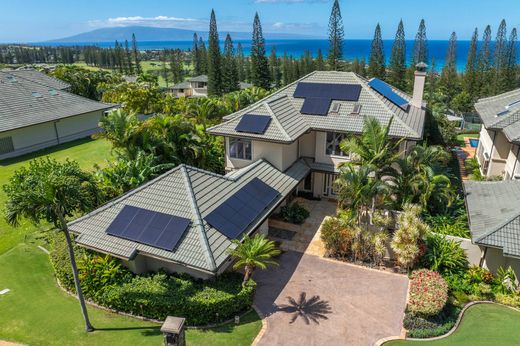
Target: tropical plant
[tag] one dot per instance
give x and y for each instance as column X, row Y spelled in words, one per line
column 428, row 293
column 253, row 252
column 444, row 255
column 120, row 128
column 410, row 231
column 294, row 213
column 337, row 235
column 505, row 280
column 100, row 273
column 52, row 191
column 379, row 242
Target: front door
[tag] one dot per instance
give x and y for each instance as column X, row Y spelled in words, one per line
column 328, row 185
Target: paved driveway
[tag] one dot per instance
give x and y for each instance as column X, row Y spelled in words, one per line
column 309, row 300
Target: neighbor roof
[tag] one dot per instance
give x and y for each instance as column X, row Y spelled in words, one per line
column 502, row 112
column 201, row 78
column 289, row 123
column 38, row 77
column 182, row 85
column 190, row 193
column 494, row 214
column 24, row 102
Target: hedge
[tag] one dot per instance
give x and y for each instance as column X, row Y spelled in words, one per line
column 160, row 294
column 428, row 292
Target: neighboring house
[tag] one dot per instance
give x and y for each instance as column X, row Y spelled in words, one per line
column 197, row 87
column 184, row 220
column 494, row 221
column 498, row 151
column 37, row 112
column 310, row 117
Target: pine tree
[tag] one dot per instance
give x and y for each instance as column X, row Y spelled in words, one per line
column 449, row 72
column 484, row 71
column 177, row 65
column 286, row 69
column 240, row 63
column 511, row 68
column 336, row 37
column 420, row 47
column 137, row 58
column 195, row 55
column 203, row 56
column 376, row 62
column 214, row 59
column 274, row 68
column 397, row 73
column 164, row 69
column 259, row 64
column 470, row 75
column 128, row 58
column 500, row 58
column 432, row 80
column 230, row 80
column 320, row 64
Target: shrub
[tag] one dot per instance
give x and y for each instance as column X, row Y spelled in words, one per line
column 444, row 255
column 505, row 280
column 336, row 236
column 508, row 299
column 159, row 295
column 294, row 213
column 60, row 259
column 411, row 230
column 431, row 326
column 428, row 293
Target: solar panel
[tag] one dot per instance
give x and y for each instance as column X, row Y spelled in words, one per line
column 341, row 92
column 148, row 227
column 385, row 90
column 315, row 106
column 253, row 123
column 238, row 212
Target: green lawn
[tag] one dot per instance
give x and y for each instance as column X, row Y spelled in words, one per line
column 36, row 312
column 482, row 325
column 86, row 151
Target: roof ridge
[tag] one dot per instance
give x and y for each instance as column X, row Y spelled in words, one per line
column 499, row 96
column 199, row 222
column 275, row 118
column 32, row 80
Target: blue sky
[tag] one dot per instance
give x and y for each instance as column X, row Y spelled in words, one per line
column 36, row 20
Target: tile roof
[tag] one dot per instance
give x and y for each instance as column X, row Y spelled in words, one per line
column 494, row 214
column 190, row 193
column 182, row 85
column 495, row 115
column 201, row 78
column 24, row 102
column 38, row 77
column 289, row 123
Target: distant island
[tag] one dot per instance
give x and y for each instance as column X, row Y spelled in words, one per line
column 144, row 33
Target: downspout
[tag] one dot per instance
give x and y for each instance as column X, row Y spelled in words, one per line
column 491, row 151
column 56, row 132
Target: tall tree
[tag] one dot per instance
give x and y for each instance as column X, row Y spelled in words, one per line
column 511, row 69
column 397, row 73
column 164, row 69
column 214, row 59
column 420, row 47
column 177, row 65
column 449, row 72
column 128, row 58
column 320, row 63
column 500, row 58
column 240, row 63
column 484, row 64
column 230, row 81
column 376, row 62
column 259, row 63
column 336, row 37
column 137, row 57
column 203, row 56
column 51, row 191
column 195, row 55
column 274, row 68
column 470, row 75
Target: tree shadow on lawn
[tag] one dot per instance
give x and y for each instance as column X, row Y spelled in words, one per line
column 313, row 309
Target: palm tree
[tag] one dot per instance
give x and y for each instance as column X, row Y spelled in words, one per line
column 120, row 127
column 374, row 147
column 51, row 191
column 252, row 253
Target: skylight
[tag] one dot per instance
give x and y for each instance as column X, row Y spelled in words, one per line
column 36, row 94
column 11, row 79
column 53, row 92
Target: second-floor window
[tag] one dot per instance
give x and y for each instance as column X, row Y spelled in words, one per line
column 332, row 146
column 240, row 148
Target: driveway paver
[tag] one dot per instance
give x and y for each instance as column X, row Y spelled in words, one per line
column 309, row 300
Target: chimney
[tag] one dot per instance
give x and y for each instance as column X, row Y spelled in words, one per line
column 418, row 85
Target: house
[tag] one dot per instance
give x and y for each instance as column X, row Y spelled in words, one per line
column 37, row 112
column 494, row 220
column 197, row 87
column 310, row 117
column 185, row 220
column 498, row 152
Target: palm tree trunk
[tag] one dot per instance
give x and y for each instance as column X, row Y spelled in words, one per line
column 247, row 274
column 64, row 228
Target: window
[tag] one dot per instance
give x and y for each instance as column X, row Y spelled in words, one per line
column 332, row 146
column 307, row 184
column 6, row 145
column 240, row 148
column 357, row 108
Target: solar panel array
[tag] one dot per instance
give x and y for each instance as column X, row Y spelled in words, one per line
column 148, row 227
column 385, row 90
column 318, row 96
column 238, row 212
column 253, row 123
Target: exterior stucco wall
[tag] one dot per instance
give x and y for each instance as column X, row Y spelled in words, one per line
column 143, row 264
column 512, row 167
column 499, row 155
column 308, row 144
column 279, row 155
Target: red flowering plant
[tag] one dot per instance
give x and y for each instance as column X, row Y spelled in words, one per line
column 428, row 293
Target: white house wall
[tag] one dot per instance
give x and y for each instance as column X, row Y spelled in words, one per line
column 308, row 144
column 512, row 167
column 279, row 155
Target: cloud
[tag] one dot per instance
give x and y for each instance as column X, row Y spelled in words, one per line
column 157, row 21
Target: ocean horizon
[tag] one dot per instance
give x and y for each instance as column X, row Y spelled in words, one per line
column 353, row 48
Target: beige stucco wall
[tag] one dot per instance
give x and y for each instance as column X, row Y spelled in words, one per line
column 499, row 155
column 143, row 264
column 308, row 144
column 512, row 167
column 39, row 136
column 320, row 153
column 282, row 156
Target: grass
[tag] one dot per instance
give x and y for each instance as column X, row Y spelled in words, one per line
column 37, row 312
column 460, row 138
column 482, row 325
column 86, row 152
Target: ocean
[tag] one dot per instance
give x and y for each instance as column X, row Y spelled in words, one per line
column 352, row 48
